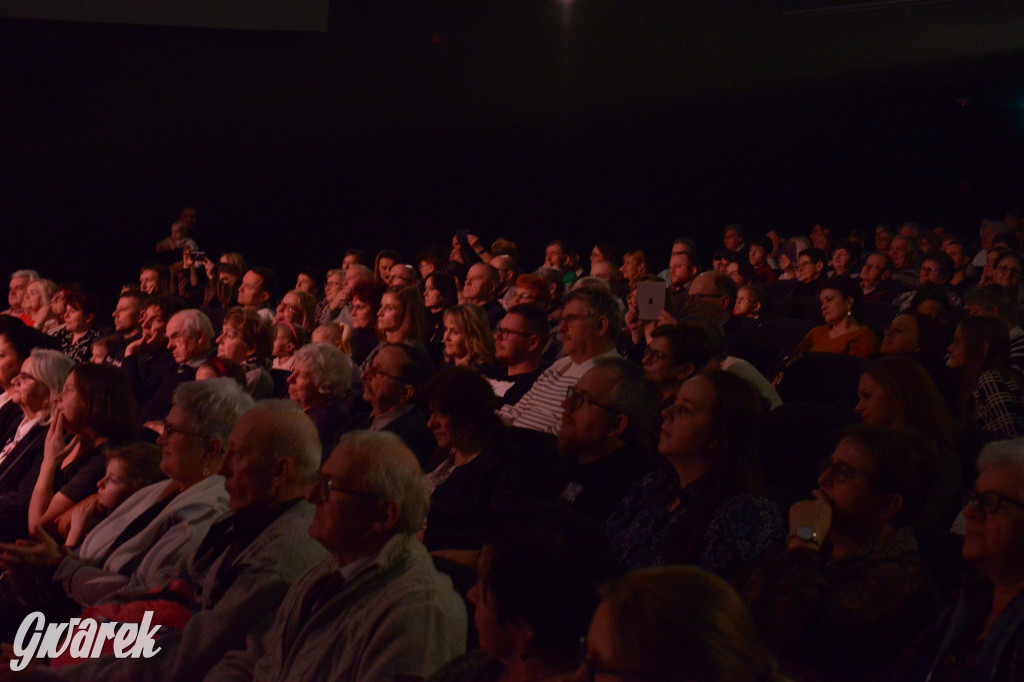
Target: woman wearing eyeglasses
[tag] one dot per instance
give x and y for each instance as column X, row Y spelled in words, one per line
column 704, row 509
column 33, row 390
column 850, row 590
column 981, row 637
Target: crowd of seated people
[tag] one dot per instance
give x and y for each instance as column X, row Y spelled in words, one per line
column 451, row 466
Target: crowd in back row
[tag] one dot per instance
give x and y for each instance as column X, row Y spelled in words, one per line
column 672, row 418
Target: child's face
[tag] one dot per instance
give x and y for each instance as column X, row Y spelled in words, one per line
column 283, row 344
column 99, row 353
column 114, row 488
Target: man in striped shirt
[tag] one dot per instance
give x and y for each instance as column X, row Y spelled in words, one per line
column 590, row 326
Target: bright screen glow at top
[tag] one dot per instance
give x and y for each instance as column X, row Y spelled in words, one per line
column 268, row 15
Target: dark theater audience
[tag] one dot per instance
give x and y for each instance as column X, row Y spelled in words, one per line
column 482, row 382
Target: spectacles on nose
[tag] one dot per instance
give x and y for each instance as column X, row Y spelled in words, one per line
column 372, row 371
column 502, row 332
column 324, row 486
column 654, row 356
column 989, row 501
column 841, row 472
column 575, row 400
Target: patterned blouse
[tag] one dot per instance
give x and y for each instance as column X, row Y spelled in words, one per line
column 80, row 351
column 644, row 529
column 997, row 405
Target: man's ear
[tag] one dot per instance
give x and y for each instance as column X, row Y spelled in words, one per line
column 685, row 371
column 388, row 515
column 618, row 426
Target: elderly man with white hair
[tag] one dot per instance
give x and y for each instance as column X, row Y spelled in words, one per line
column 190, row 340
column 320, row 381
column 376, row 609
column 20, row 279
column 248, row 560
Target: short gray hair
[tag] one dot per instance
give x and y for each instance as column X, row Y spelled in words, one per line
column 635, row 396
column 603, row 304
column 52, row 368
column 392, row 472
column 364, row 271
column 1008, row 452
column 331, row 369
column 592, row 283
column 195, row 322
column 294, row 436
column 31, row 274
column 213, row 405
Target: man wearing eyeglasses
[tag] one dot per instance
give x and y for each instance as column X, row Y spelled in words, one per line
column 375, row 609
column 245, row 564
column 390, row 385
column 606, row 433
column 519, row 341
column 590, row 327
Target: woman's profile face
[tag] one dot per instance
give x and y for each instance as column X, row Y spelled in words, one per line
column 432, row 295
column 389, row 317
column 71, row 405
column 290, row 310
column 76, row 320
column 875, row 405
column 10, row 362
column 33, row 299
column 902, row 337
column 834, row 306
column 440, row 424
column 604, row 659
column 454, row 339
column 957, row 350
column 687, row 426
column 27, row 390
column 231, row 345
column 362, row 314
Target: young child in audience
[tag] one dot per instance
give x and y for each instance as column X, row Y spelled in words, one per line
column 101, row 348
column 287, row 339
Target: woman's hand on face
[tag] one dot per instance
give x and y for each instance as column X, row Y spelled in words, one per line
column 56, row 447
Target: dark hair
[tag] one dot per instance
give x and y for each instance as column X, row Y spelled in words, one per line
column 979, row 332
column 682, row 623
column 904, row 464
column 227, row 368
column 944, row 263
column 360, row 255
column 413, row 313
column 24, row 338
column 849, row 289
column 535, row 320
column 141, row 462
column 815, row 254
column 913, row 389
column 445, row 284
column 370, row 292
column 547, row 562
column 255, row 332
column 108, row 397
column 316, row 274
column 689, row 341
column 269, row 278
column 855, row 249
column 386, row 253
column 86, row 301
column 607, row 251
column 168, row 304
column 466, row 397
column 994, row 296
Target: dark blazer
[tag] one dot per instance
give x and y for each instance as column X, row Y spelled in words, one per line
column 18, row 474
column 411, row 427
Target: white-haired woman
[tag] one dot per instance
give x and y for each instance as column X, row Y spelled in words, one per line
column 320, row 381
column 981, row 637
column 33, row 389
column 36, row 305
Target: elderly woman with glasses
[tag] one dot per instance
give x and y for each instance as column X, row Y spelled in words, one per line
column 981, row 637
column 33, row 390
column 703, row 509
column 153, row 533
column 850, row 591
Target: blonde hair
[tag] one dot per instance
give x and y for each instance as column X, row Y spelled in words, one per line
column 472, row 321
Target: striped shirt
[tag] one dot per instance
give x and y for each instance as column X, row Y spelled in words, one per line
column 541, row 408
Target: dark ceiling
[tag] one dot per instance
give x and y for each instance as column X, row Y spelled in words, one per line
column 629, row 121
